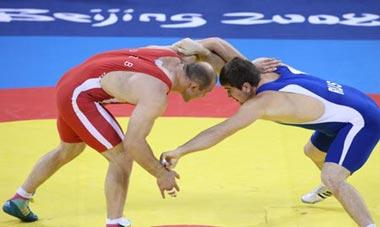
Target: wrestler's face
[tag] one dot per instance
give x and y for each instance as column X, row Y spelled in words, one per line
column 240, row 95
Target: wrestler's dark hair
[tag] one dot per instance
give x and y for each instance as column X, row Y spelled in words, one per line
column 239, row 71
column 198, row 73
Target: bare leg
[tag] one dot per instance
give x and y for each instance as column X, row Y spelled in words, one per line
column 334, row 177
column 18, row 206
column 317, row 156
column 50, row 163
column 321, row 192
column 117, row 180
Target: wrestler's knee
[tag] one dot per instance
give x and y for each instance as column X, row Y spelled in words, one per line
column 310, row 151
column 334, row 177
column 119, row 159
column 314, row 153
column 68, row 151
column 307, row 149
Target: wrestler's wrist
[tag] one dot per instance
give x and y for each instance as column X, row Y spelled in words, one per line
column 179, row 152
column 160, row 172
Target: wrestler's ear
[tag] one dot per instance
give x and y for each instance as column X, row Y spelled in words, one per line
column 246, row 87
column 194, row 85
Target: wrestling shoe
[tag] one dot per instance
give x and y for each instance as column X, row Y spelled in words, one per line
column 117, row 225
column 121, row 223
column 317, row 195
column 19, row 208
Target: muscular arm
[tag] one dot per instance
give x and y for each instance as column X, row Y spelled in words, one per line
column 247, row 114
column 221, row 48
column 222, row 51
column 189, row 47
column 139, row 126
column 215, row 51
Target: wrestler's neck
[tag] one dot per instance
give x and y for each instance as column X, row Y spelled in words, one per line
column 267, row 78
column 181, row 82
column 174, row 69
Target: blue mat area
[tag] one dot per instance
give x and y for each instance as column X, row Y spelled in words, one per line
column 338, row 40
column 39, row 61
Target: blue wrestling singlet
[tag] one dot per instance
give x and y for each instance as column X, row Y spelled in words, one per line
column 349, row 128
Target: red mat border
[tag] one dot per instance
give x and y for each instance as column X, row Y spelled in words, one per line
column 39, row 103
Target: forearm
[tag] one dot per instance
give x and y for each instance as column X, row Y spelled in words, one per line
column 221, row 48
column 231, row 52
column 210, row 137
column 204, row 140
column 143, row 155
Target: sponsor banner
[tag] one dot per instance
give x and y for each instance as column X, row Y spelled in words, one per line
column 287, row 19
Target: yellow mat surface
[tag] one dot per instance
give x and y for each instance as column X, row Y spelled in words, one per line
column 254, row 178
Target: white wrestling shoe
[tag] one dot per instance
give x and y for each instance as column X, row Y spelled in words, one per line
column 120, row 222
column 317, row 195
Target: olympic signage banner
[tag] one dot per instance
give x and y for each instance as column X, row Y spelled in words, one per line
column 287, row 19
